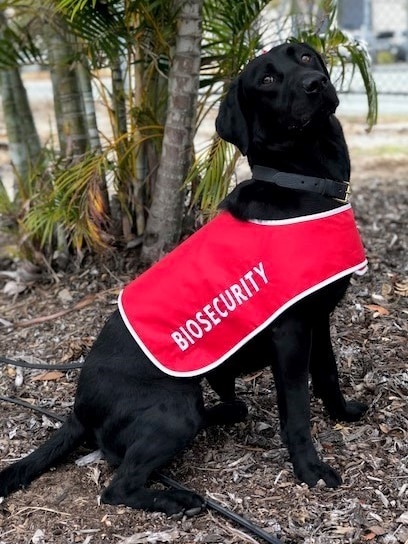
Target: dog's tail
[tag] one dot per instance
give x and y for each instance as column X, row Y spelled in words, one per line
column 55, row 449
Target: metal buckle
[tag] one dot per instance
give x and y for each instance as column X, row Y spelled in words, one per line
column 347, row 195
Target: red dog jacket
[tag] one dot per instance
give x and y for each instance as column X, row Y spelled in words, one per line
column 229, row 280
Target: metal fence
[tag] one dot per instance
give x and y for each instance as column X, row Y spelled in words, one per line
column 383, row 26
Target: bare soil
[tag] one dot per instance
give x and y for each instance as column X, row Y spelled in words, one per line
column 245, row 467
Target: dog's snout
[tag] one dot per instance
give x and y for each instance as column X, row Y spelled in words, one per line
column 314, row 83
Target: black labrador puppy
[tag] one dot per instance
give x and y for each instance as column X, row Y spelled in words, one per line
column 280, row 113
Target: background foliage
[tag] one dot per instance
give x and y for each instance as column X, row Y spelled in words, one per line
column 93, row 191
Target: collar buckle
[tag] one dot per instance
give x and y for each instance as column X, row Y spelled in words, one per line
column 347, row 193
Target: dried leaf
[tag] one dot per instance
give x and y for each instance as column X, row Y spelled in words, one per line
column 403, row 518
column 386, row 290
column 5, row 322
column 19, row 378
column 13, row 288
column 401, row 288
column 38, row 537
column 48, row 376
column 382, row 498
column 152, row 538
column 379, row 310
column 89, row 458
column 65, row 296
column 384, row 428
column 95, row 474
column 344, row 530
column 11, row 371
column 377, row 530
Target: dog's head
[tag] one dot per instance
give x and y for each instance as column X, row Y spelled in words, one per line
column 276, row 97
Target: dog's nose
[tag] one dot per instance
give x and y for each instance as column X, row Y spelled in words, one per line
column 314, row 83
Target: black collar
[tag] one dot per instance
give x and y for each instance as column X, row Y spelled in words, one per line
column 339, row 190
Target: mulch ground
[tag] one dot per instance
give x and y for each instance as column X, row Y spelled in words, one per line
column 244, row 467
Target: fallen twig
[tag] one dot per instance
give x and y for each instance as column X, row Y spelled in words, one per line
column 86, row 301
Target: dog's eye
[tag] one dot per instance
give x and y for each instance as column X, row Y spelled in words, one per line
column 306, row 58
column 267, row 80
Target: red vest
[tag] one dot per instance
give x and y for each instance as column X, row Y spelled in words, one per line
column 229, row 280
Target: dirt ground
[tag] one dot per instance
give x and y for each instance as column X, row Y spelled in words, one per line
column 244, row 467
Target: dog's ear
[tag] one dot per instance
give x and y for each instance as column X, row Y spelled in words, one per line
column 231, row 124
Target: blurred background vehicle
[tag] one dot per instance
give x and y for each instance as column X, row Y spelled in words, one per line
column 389, row 46
column 381, row 25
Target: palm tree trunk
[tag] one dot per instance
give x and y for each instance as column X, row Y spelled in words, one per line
column 85, row 86
column 163, row 226
column 23, row 139
column 141, row 158
column 120, row 128
column 71, row 124
column 24, row 142
column 68, row 104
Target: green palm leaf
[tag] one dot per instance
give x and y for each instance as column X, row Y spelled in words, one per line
column 74, row 203
column 231, row 37
column 6, row 204
column 214, row 168
column 17, row 47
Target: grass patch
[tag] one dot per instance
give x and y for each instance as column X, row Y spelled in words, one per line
column 391, row 150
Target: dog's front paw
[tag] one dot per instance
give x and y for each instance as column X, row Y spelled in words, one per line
column 177, row 504
column 311, row 472
column 353, row 410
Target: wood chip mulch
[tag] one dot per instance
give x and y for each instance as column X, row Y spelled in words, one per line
column 245, row 467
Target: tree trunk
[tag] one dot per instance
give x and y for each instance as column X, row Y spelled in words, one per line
column 141, row 159
column 163, row 226
column 24, row 142
column 23, row 139
column 71, row 123
column 85, row 85
column 120, row 128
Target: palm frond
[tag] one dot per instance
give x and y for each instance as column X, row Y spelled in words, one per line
column 75, row 5
column 6, row 204
column 18, row 47
column 74, row 202
column 108, row 29
column 214, row 169
column 100, row 26
column 232, row 35
column 359, row 57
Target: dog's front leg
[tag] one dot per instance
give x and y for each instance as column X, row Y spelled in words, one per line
column 291, row 337
column 325, row 379
column 230, row 410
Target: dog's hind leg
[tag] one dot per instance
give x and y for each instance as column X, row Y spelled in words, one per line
column 325, row 379
column 128, row 485
column 153, row 440
column 54, row 450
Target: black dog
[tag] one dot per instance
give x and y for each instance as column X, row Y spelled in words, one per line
column 278, row 112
